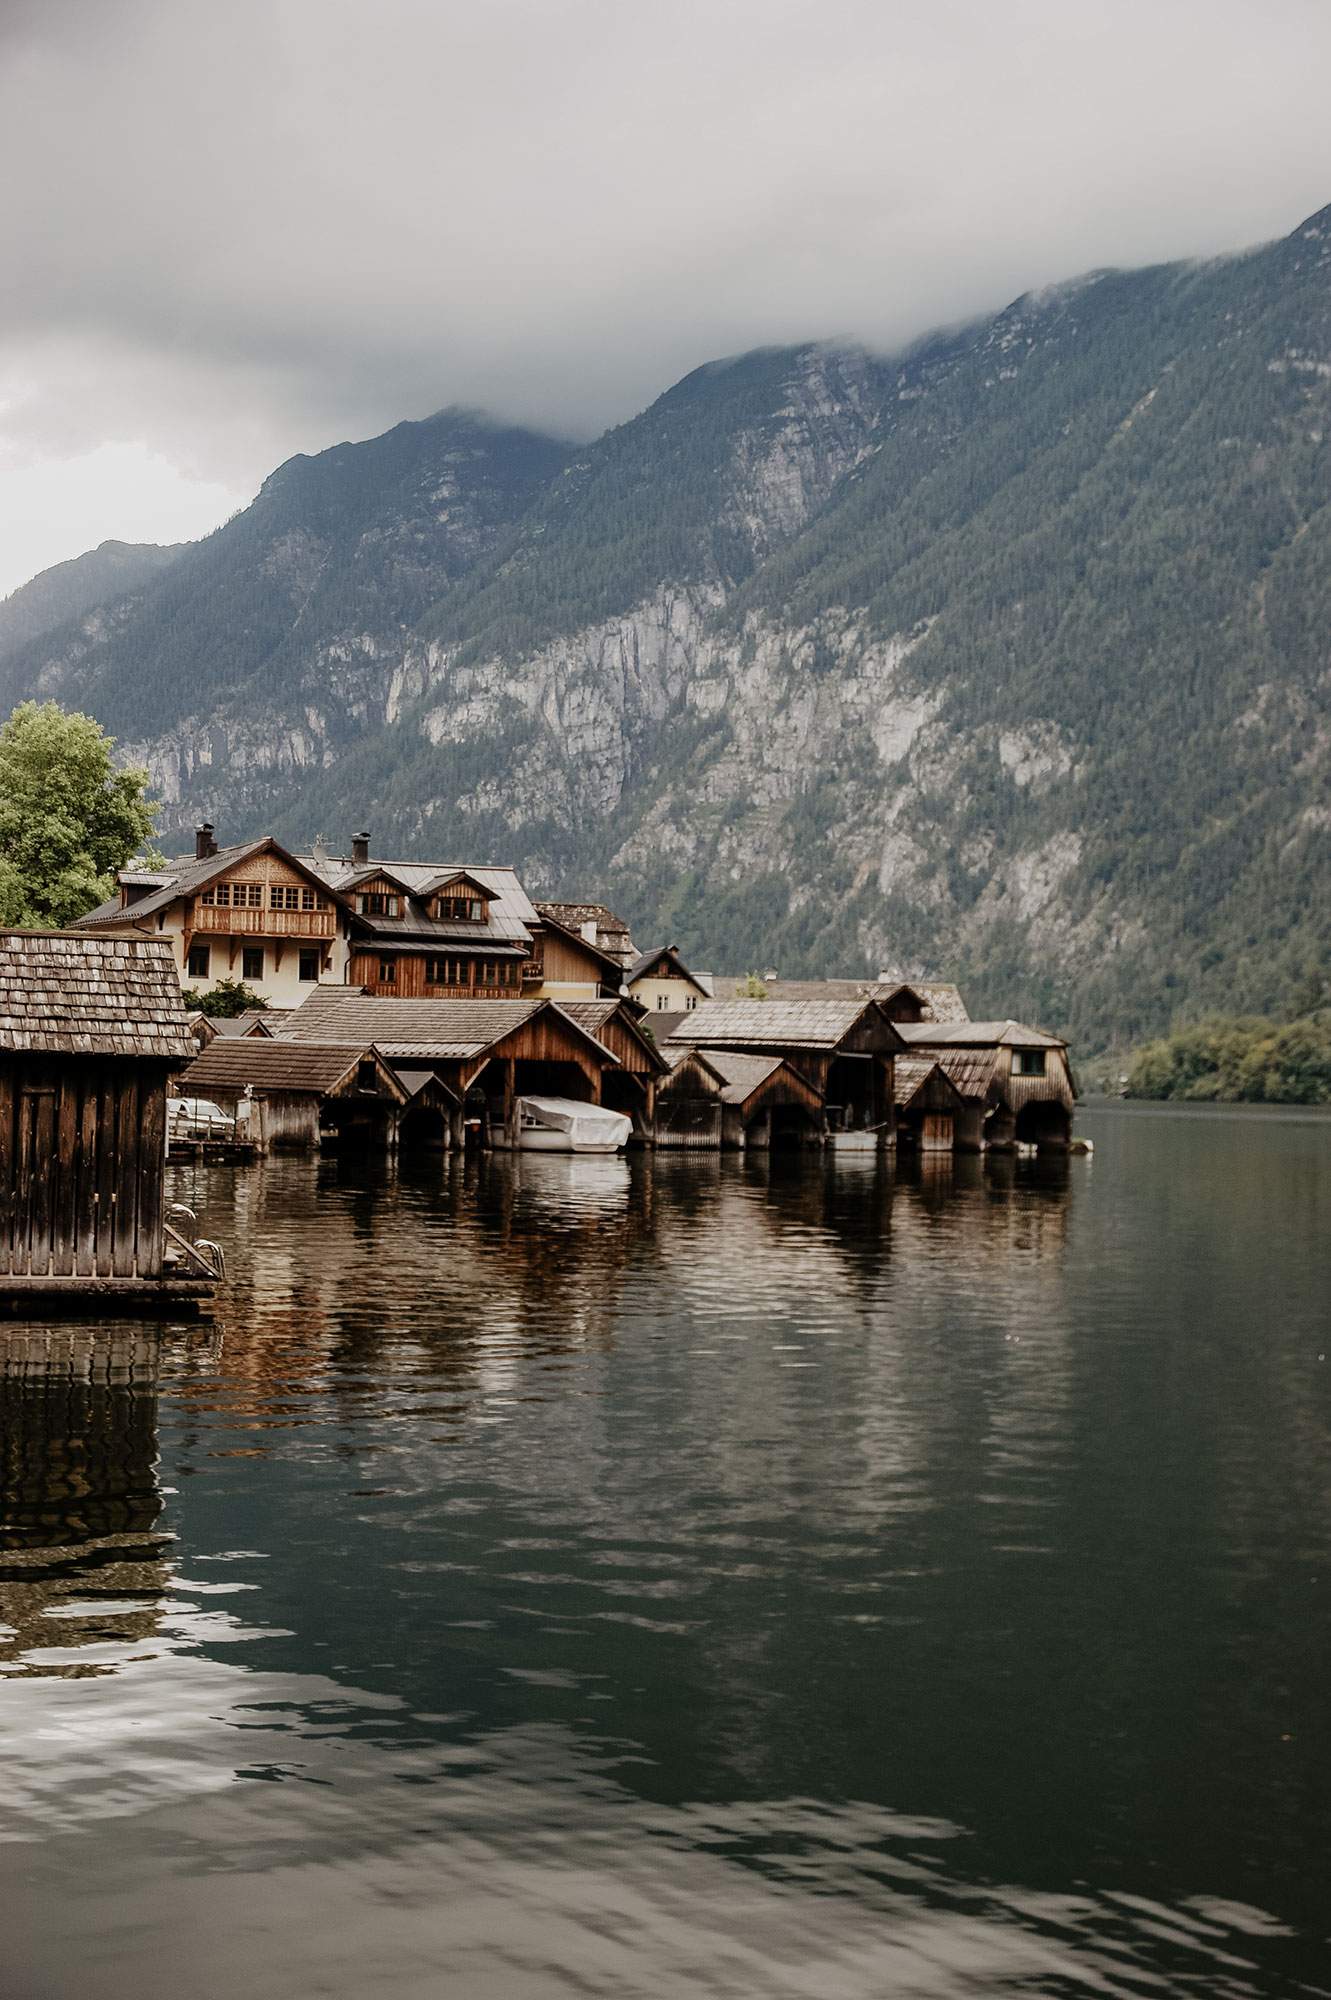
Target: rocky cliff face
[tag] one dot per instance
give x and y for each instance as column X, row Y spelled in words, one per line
column 1005, row 659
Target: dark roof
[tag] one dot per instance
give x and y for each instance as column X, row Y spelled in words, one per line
column 184, row 878
column 263, row 1019
column 572, row 915
column 971, row 1071
column 66, row 994
column 228, row 1065
column 776, row 1024
column 593, row 1015
column 740, row 1074
column 911, row 1073
column 941, row 1001
column 511, row 912
column 646, row 960
column 977, row 1035
column 427, row 1030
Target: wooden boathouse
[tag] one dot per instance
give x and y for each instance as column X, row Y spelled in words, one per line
column 725, row 1098
column 1020, row 1078
column 488, row 1053
column 844, row 1049
column 90, row 1030
column 300, row 1096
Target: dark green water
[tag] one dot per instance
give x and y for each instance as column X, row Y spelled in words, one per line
column 680, row 1578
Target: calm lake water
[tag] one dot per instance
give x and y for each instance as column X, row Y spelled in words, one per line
column 683, row 1577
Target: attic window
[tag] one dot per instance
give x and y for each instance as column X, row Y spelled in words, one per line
column 377, row 903
column 1028, row 1062
column 367, row 1075
column 460, row 910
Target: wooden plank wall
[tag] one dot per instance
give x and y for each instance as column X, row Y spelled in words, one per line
column 82, row 1165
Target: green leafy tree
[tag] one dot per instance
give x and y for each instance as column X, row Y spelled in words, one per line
column 751, row 987
column 68, row 818
column 1248, row 1060
column 224, row 1001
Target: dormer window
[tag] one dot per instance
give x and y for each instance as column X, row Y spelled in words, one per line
column 377, row 903
column 459, row 909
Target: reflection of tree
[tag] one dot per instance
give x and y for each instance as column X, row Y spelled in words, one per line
column 79, row 1497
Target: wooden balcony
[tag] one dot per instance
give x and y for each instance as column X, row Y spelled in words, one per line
column 230, row 922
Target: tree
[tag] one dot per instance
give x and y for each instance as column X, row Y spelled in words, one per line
column 68, row 818
column 224, row 1001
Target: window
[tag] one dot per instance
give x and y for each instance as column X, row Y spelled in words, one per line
column 487, row 972
column 309, row 964
column 283, row 897
column 1028, row 1062
column 388, row 972
column 460, row 909
column 377, row 903
column 690, row 1003
column 367, row 1075
column 662, row 1002
column 310, row 899
column 251, row 962
column 198, row 961
column 505, row 972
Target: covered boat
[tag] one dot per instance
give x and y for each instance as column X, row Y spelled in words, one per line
column 562, row 1125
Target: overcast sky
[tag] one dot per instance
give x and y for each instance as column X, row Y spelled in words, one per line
column 235, row 229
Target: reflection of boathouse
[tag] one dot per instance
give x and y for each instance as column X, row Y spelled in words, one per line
column 79, row 1499
column 90, row 1028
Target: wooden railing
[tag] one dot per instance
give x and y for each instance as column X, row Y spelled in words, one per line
column 265, row 923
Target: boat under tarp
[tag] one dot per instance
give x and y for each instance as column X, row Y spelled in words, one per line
column 563, row 1125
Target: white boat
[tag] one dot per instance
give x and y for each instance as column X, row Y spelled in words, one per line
column 562, row 1125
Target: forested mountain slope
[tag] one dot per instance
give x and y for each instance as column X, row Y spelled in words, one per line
column 1009, row 659
column 68, row 589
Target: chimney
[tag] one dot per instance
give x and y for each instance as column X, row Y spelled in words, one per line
column 204, row 844
column 360, row 849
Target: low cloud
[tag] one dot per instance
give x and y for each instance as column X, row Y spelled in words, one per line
column 258, row 228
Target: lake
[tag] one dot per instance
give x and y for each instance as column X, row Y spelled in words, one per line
column 681, row 1576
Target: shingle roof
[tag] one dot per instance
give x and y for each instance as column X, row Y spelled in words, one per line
column 421, row 1030
column 593, row 1015
column 977, row 1034
column 227, row 1066
column 790, row 1024
column 67, row 994
column 911, row 1073
column 943, row 1001
column 970, row 1070
column 740, row 1074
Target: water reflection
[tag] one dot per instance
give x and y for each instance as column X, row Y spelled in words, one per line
column 690, row 1575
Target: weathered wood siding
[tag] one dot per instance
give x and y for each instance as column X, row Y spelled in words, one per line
column 82, row 1158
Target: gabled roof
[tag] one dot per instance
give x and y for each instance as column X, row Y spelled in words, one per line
column 309, row 1067
column 683, row 1052
column 912, row 1073
column 426, row 1030
column 63, row 994
column 775, row 1024
column 608, row 958
column 449, row 877
column 977, row 1034
column 941, row 1000
column 256, row 1021
column 593, row 1015
column 741, row 1075
column 511, row 912
column 185, row 878
column 647, row 962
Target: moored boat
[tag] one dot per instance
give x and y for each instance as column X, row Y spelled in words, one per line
column 562, row 1125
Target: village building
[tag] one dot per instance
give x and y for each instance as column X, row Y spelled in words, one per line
column 423, row 930
column 301, row 1095
column 931, row 1111
column 659, row 981
column 90, row 1030
column 632, row 1087
column 844, row 1049
column 596, row 925
column 252, row 913
column 1021, row 1077
column 487, row 1052
column 917, row 1000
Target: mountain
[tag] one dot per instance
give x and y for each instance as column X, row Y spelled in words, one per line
column 1008, row 658
column 56, row 595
